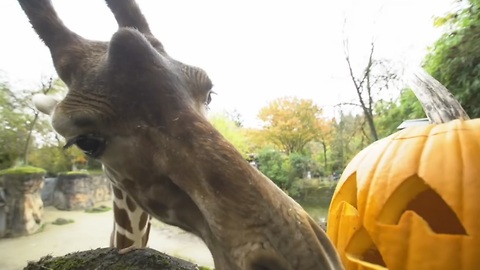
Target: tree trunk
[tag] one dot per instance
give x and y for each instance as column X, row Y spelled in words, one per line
column 29, row 137
column 324, row 155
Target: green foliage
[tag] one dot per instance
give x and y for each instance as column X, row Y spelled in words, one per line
column 13, row 127
column 21, row 127
column 23, row 170
column 389, row 115
column 231, row 131
column 285, row 170
column 454, row 59
column 274, row 165
column 349, row 137
column 54, row 159
column 300, row 164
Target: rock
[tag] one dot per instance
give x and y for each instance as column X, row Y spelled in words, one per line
column 80, row 191
column 3, row 213
column 62, row 221
column 72, row 192
column 109, row 258
column 47, row 191
column 101, row 188
column 22, row 207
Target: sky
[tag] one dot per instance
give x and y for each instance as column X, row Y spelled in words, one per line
column 254, row 51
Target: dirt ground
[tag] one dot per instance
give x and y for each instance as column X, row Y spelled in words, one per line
column 92, row 230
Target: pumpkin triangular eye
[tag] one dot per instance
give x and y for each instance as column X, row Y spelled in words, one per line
column 414, row 194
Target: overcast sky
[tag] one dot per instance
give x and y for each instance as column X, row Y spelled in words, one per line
column 254, row 50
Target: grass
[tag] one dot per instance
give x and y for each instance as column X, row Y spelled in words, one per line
column 23, row 170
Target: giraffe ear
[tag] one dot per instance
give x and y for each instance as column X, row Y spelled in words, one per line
column 44, row 103
column 129, row 51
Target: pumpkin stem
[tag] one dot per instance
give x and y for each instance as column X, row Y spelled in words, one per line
column 438, row 103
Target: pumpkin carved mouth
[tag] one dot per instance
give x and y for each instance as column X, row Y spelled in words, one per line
column 413, row 196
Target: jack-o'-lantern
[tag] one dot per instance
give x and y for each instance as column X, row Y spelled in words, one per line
column 411, row 201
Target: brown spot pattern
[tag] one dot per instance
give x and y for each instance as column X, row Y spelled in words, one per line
column 143, row 221
column 121, row 218
column 131, row 205
column 123, row 241
column 117, row 193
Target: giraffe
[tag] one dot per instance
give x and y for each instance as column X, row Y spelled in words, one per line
column 142, row 114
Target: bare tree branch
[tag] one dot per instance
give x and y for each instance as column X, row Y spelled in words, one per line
column 348, row 104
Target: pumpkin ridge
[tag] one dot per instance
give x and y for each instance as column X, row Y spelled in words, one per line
column 372, row 176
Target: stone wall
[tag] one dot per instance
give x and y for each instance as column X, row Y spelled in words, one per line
column 3, row 213
column 80, row 191
column 101, row 189
column 21, row 206
column 47, row 191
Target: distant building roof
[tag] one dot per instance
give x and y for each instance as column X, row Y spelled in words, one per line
column 413, row 123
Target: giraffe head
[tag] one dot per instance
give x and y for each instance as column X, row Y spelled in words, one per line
column 120, row 92
column 141, row 113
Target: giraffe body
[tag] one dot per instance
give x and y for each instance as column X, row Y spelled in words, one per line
column 141, row 113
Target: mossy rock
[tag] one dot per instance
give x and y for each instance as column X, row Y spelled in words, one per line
column 109, row 258
column 23, row 170
column 99, row 209
column 62, row 221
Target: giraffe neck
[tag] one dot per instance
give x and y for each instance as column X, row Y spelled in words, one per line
column 131, row 223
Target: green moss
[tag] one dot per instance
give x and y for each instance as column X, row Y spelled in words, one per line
column 23, row 170
column 74, row 173
column 95, row 172
column 42, row 228
column 83, row 172
column 100, row 209
column 64, row 263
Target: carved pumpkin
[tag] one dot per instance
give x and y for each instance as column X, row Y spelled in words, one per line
column 411, row 201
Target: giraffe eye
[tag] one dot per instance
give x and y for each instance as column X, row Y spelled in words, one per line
column 209, row 98
column 90, row 144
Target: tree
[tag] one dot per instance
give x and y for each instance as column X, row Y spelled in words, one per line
column 236, row 117
column 348, row 138
column 290, row 123
column 377, row 75
column 26, row 136
column 325, row 138
column 35, row 124
column 13, row 128
column 231, row 131
column 55, row 159
column 274, row 165
column 454, row 59
column 389, row 115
